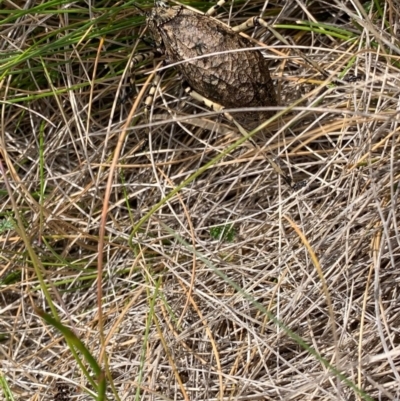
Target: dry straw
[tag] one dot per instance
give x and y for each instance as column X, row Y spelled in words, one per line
column 235, row 286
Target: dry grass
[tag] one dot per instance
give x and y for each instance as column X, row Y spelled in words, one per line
column 187, row 294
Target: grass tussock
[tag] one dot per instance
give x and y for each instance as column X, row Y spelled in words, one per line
column 153, row 258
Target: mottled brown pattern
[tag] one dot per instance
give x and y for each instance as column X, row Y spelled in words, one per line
column 232, row 79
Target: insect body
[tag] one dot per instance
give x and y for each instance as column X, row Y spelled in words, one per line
column 218, row 63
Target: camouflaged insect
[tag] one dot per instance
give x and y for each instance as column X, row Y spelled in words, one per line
column 232, row 78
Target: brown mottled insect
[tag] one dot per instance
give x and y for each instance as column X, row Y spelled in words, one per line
column 214, row 59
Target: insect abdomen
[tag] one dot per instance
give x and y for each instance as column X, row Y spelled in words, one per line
column 233, row 79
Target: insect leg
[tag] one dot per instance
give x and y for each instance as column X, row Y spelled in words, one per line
column 213, row 9
column 217, row 107
column 209, row 103
column 142, row 57
column 137, row 60
column 133, row 64
column 150, row 97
